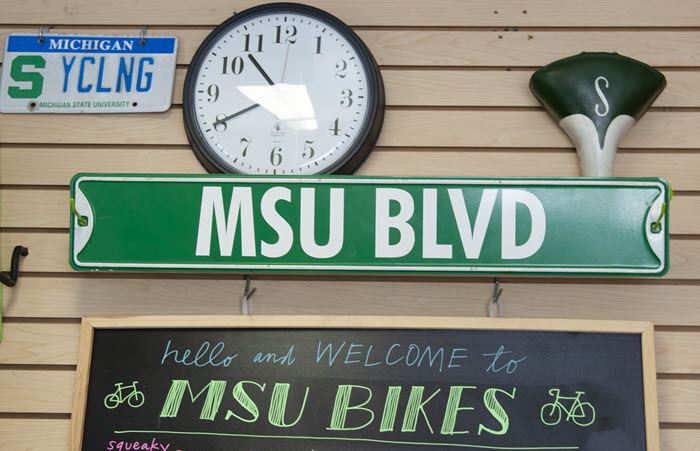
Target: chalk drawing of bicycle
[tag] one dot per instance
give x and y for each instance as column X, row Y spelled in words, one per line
column 581, row 413
column 135, row 398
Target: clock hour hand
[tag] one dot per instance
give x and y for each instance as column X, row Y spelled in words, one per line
column 237, row 113
column 260, row 69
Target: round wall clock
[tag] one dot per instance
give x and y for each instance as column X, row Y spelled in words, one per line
column 286, row 89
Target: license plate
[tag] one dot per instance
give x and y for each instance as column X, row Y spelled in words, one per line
column 87, row 74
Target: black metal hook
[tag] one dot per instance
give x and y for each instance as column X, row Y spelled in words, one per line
column 14, row 268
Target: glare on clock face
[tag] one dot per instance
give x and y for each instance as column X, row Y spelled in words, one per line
column 281, row 93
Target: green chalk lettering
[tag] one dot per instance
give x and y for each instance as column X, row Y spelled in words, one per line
column 495, row 408
column 415, row 406
column 244, row 400
column 452, row 409
column 212, row 401
column 342, row 405
column 278, row 405
column 390, row 407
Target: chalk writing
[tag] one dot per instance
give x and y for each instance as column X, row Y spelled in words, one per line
column 135, row 398
column 510, row 367
column 201, row 358
column 287, row 359
column 212, row 401
column 581, row 413
column 294, row 389
column 153, row 445
column 412, row 355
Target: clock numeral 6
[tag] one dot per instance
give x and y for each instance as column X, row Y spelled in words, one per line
column 220, row 126
column 236, row 65
column 245, row 148
column 276, row 156
column 307, row 147
column 347, row 98
column 213, row 92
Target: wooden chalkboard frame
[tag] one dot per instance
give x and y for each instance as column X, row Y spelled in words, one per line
column 642, row 328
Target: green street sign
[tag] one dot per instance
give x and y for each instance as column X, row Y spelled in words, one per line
column 370, row 224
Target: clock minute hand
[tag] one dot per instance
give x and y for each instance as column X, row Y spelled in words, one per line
column 237, row 113
column 260, row 69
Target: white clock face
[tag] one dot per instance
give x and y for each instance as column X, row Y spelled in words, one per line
column 280, row 93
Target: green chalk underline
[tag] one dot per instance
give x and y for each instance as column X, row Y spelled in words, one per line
column 352, row 439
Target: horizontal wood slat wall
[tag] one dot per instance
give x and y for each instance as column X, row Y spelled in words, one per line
column 530, row 129
column 630, row 13
column 458, row 104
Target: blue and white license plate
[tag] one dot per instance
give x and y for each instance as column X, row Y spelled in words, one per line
column 87, row 74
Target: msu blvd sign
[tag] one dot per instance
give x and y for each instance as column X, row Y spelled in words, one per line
column 375, row 225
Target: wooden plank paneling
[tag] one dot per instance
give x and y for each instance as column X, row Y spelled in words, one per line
column 679, row 401
column 680, row 439
column 49, row 208
column 175, row 294
column 487, row 88
column 34, row 208
column 30, row 434
column 456, row 78
column 368, row 12
column 677, row 352
column 684, row 215
column 56, row 166
column 36, row 391
column 49, row 253
column 467, row 48
column 56, row 343
column 494, row 88
column 39, row 343
column 425, row 128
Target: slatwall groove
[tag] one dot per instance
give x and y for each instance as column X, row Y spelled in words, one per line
column 482, row 48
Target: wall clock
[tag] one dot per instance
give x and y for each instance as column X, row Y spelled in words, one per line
column 283, row 88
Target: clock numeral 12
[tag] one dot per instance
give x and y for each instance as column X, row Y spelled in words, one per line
column 291, row 30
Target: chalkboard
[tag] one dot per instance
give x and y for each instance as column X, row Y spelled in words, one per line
column 364, row 383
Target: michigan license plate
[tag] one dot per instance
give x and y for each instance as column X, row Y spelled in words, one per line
column 87, row 74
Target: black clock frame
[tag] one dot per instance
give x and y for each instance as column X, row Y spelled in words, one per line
column 366, row 138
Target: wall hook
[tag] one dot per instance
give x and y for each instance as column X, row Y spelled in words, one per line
column 246, row 301
column 43, row 30
column 142, row 41
column 495, row 304
column 14, row 267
